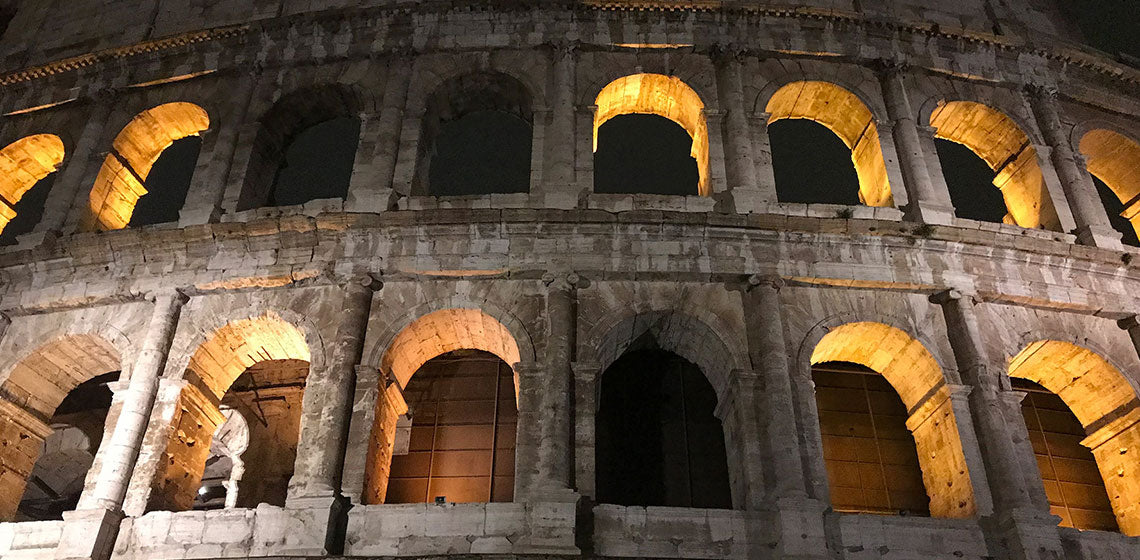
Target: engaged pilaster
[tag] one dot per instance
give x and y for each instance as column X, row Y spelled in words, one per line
column 1092, row 225
column 558, row 150
column 740, row 167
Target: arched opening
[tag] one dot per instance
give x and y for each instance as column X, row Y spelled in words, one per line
column 27, row 171
column 53, row 404
column 644, row 154
column 476, row 138
column 445, row 417
column 871, row 458
column 915, row 376
column 304, row 150
column 970, row 182
column 821, row 175
column 1007, row 151
column 1114, row 162
column 123, row 178
column 57, row 479
column 235, row 433
column 649, row 94
column 847, row 117
column 457, row 441
column 659, row 441
column 1078, row 385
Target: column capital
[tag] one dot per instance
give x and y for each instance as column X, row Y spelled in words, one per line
column 1128, row 323
column 370, row 281
column 952, row 294
column 176, row 295
column 773, row 281
column 561, row 281
column 562, row 49
column 1041, row 91
column 725, row 53
column 889, row 67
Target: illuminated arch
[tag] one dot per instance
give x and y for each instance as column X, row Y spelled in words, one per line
column 665, row 96
column 31, row 390
column 443, row 331
column 216, row 363
column 1005, row 147
column 849, row 118
column 917, row 378
column 1105, row 403
column 120, row 181
column 22, row 164
column 1115, row 160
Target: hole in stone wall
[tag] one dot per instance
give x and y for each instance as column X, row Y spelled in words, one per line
column 658, row 440
column 167, row 183
column 812, row 164
column 57, row 479
column 970, row 182
column 482, row 152
column 463, row 425
column 29, row 210
column 871, row 458
column 318, row 163
column 1068, row 469
column 644, row 154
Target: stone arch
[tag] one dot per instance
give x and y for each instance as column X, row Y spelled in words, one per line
column 120, row 181
column 461, row 94
column 923, row 387
column 291, row 114
column 219, row 358
column 1105, row 402
column 31, row 390
column 1114, row 158
column 1008, row 150
column 22, row 164
column 850, row 118
column 665, row 96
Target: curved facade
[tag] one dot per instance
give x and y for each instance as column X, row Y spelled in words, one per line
column 275, row 377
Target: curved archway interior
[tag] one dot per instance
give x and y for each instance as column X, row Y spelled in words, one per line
column 644, row 154
column 317, row 163
column 35, row 387
column 849, row 118
column 230, row 352
column 659, row 442
column 458, row 439
column 995, row 138
column 476, row 137
column 970, row 182
column 1114, row 159
column 811, row 164
column 1106, row 405
column 121, row 180
column 917, row 378
column 871, row 458
column 665, row 96
column 23, row 164
column 443, row 331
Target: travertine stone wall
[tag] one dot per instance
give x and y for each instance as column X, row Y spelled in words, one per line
column 561, row 281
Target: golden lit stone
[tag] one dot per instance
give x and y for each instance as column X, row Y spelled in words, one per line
column 1115, row 160
column 22, row 164
column 665, row 96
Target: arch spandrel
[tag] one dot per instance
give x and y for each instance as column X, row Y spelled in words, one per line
column 850, row 119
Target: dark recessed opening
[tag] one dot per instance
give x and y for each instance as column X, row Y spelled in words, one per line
column 482, row 152
column 811, row 164
column 318, row 163
column 167, row 183
column 970, row 182
column 29, row 210
column 1114, row 208
column 644, row 154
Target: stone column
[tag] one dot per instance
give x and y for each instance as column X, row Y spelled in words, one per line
column 739, row 413
column 75, row 177
column 121, row 451
column 928, row 203
column 1092, row 225
column 740, row 169
column 558, row 157
column 769, row 355
column 328, row 401
column 587, row 375
column 762, row 157
column 1020, row 514
column 5, row 322
column 545, row 398
column 370, row 188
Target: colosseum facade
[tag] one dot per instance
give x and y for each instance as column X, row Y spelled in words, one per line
column 544, row 370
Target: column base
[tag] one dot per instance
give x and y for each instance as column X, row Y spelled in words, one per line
column 1103, row 237
column 929, row 213
column 1023, row 534
column 377, row 200
column 309, row 525
column 88, row 534
column 798, row 529
column 749, row 201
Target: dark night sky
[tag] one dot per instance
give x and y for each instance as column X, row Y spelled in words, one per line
column 487, row 152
